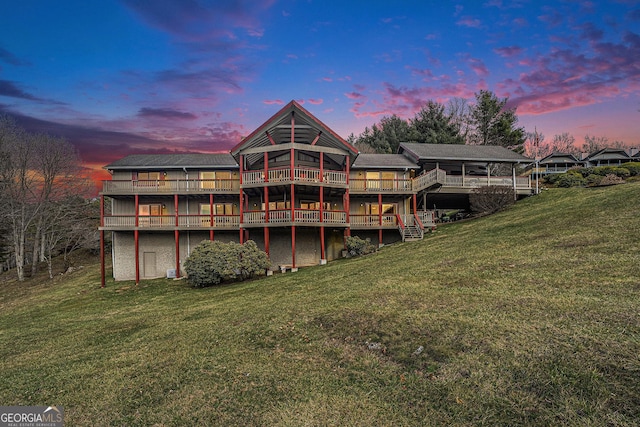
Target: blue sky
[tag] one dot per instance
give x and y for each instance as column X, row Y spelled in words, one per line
column 131, row 76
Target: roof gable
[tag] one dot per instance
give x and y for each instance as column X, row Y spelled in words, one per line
column 559, row 158
column 609, row 154
column 293, row 124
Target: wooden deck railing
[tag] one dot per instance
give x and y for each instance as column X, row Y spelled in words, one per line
column 309, row 175
column 169, row 221
column 302, row 175
column 170, row 186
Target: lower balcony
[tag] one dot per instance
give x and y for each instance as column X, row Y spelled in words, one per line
column 301, row 217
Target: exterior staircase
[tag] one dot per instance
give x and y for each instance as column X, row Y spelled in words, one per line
column 411, row 233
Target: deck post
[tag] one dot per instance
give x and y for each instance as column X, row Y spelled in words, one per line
column 211, row 224
column 380, row 219
column 137, row 254
column 293, row 247
column 177, row 237
column 323, row 257
column 102, row 266
column 513, row 173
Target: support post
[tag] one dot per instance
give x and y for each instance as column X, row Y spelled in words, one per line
column 293, row 247
column 323, row 257
column 137, row 254
column 177, row 237
column 379, row 219
column 266, row 241
column 102, row 266
column 211, row 220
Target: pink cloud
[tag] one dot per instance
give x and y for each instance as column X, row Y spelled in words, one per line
column 316, row 101
column 467, row 21
column 273, row 102
column 354, row 95
column 508, row 51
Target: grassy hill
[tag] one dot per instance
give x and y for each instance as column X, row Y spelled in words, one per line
column 527, row 317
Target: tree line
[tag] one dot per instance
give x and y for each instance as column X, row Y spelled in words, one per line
column 486, row 121
column 44, row 211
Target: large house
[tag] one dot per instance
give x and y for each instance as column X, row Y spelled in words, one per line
column 293, row 186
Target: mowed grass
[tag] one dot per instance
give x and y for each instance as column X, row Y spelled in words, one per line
column 528, row 317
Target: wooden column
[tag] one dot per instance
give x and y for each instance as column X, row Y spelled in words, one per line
column 293, row 246
column 323, row 257
column 211, row 220
column 136, row 237
column 241, row 202
column 379, row 219
column 177, row 235
column 137, row 254
column 346, row 198
column 102, row 266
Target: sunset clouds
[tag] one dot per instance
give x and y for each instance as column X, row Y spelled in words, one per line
column 121, row 77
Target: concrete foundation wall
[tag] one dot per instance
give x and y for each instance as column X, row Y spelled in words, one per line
column 157, row 250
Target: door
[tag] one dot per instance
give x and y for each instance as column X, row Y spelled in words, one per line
column 149, row 264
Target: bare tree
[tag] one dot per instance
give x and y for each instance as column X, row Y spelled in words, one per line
column 563, row 143
column 35, row 171
column 56, row 165
column 534, row 144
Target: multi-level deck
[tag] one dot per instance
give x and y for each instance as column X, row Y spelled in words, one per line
column 293, row 186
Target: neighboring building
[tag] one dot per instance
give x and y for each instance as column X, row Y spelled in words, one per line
column 293, row 186
column 557, row 163
column 608, row 157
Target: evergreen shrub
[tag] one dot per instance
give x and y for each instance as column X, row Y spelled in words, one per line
column 212, row 262
column 632, row 167
column 358, row 246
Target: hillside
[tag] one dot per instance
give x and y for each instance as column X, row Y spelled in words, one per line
column 529, row 316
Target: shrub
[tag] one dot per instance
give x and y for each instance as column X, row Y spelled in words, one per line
column 611, row 179
column 552, row 178
column 212, row 262
column 571, row 179
column 594, row 180
column 612, row 170
column 632, row 167
column 357, row 246
column 490, row 199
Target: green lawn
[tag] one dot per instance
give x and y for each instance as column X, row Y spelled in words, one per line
column 528, row 317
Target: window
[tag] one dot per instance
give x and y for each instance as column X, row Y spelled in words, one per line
column 149, row 179
column 215, row 179
column 151, row 215
column 150, row 210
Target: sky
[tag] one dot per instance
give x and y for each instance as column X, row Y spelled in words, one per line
column 119, row 77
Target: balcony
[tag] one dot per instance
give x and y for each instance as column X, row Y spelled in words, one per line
column 302, row 217
column 363, row 186
column 168, row 222
column 300, row 175
column 168, row 186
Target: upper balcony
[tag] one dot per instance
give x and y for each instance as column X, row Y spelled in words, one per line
column 282, row 176
column 171, row 186
column 310, row 176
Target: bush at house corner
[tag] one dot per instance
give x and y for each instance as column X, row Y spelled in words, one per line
column 213, row 262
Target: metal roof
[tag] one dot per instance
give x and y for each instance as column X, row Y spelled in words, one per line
column 559, row 157
column 175, row 161
column 383, row 161
column 460, row 152
column 609, row 154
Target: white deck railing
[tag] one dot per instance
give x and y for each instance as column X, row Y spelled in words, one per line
column 171, row 186
column 309, row 175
